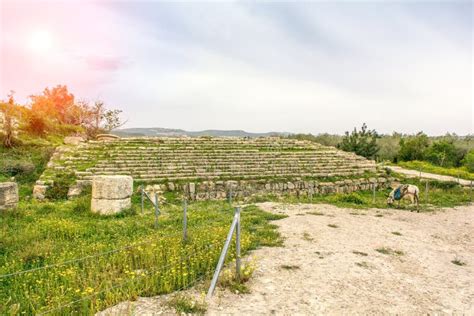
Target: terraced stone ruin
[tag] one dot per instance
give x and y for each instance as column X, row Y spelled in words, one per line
column 208, row 167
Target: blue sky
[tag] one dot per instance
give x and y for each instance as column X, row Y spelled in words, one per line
column 271, row 66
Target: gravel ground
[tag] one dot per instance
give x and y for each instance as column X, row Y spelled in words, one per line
column 330, row 265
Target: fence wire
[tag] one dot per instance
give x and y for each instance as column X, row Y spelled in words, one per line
column 105, row 253
column 130, row 281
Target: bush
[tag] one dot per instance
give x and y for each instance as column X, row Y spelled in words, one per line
column 413, row 148
column 352, row 198
column 468, row 161
column 37, row 124
column 14, row 168
column 60, row 187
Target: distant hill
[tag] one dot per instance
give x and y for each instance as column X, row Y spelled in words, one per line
column 158, row 131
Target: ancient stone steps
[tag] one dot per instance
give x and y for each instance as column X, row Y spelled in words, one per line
column 163, row 159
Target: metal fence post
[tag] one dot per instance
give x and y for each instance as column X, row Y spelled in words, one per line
column 237, row 244
column 426, row 190
column 222, row 258
column 230, row 195
column 143, row 197
column 157, row 210
column 373, row 193
column 185, row 220
column 471, row 190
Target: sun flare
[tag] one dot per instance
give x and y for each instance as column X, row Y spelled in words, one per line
column 41, row 41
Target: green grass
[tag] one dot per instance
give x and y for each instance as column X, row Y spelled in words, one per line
column 441, row 194
column 40, row 234
column 186, row 305
column 424, row 166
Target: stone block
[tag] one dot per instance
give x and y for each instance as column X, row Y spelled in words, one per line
column 109, row 207
column 113, row 187
column 73, row 140
column 111, row 194
column 39, row 191
column 8, row 195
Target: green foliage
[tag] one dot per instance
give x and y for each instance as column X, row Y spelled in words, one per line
column 60, row 187
column 468, row 161
column 353, row 198
column 15, row 168
column 445, row 154
column 460, row 172
column 413, row 148
column 363, row 142
column 25, row 162
column 389, row 145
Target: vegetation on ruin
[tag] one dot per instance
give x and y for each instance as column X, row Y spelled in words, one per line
column 149, row 261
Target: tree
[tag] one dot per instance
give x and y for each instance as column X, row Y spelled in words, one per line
column 99, row 119
column 445, row 154
column 363, row 142
column 468, row 161
column 56, row 103
column 413, row 148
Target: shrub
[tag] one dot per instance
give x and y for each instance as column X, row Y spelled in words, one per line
column 468, row 161
column 60, row 187
column 413, row 148
column 353, row 198
column 37, row 124
column 14, row 168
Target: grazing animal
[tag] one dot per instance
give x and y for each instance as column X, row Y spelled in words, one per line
column 404, row 191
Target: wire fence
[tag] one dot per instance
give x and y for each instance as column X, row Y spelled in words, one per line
column 128, row 281
column 108, row 252
column 148, row 272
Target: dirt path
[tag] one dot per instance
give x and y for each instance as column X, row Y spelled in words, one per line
column 337, row 270
column 426, row 175
column 333, row 279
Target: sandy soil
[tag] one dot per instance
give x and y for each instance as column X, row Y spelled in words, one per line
column 337, row 270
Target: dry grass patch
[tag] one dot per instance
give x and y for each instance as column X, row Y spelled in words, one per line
column 360, row 253
column 333, row 225
column 389, row 251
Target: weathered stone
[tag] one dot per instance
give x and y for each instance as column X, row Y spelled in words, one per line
column 106, row 137
column 112, row 187
column 73, row 140
column 77, row 189
column 39, row 191
column 111, row 194
column 192, row 188
column 171, row 186
column 108, row 207
column 290, row 186
column 8, row 195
